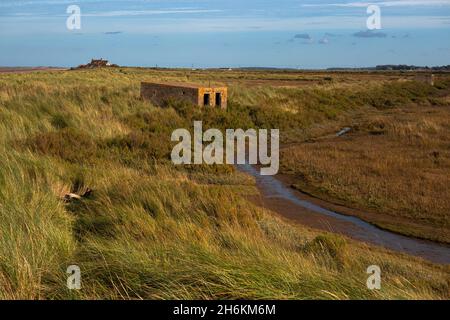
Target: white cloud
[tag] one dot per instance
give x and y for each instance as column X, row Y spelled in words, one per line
column 123, row 13
column 398, row 3
column 15, row 3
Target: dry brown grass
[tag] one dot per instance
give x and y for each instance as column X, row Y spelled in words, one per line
column 155, row 231
column 395, row 164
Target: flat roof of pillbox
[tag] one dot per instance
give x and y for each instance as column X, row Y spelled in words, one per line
column 183, row 85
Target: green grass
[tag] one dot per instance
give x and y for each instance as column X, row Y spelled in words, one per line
column 154, row 231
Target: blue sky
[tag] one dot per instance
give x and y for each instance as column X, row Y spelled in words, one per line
column 231, row 33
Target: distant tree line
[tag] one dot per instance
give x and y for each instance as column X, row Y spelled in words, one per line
column 406, row 67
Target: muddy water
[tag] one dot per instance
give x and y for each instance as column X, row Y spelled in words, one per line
column 290, row 203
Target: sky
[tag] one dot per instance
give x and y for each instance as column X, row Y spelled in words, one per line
column 307, row 34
